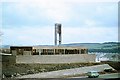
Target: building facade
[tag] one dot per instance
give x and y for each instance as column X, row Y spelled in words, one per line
column 51, row 54
column 46, row 50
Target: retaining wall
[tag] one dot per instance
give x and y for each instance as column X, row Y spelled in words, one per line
column 55, row 59
column 9, row 58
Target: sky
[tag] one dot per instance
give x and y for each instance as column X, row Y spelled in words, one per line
column 31, row 22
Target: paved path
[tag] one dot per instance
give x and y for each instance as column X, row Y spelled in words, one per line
column 105, row 76
column 67, row 72
column 112, row 75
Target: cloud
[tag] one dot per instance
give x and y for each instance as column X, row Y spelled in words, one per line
column 45, row 35
column 32, row 22
column 90, row 22
column 77, row 1
column 42, row 12
column 28, row 35
column 86, row 34
column 56, row 10
column 51, row 10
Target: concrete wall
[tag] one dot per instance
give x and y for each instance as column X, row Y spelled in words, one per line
column 26, row 52
column 48, row 59
column 14, row 52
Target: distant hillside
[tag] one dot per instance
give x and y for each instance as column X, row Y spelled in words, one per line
column 108, row 47
column 87, row 45
column 5, row 46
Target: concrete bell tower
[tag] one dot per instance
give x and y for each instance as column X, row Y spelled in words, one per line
column 58, row 37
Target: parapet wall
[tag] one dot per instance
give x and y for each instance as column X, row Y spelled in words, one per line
column 55, row 59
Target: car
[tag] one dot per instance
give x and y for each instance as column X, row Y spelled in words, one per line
column 108, row 69
column 93, row 74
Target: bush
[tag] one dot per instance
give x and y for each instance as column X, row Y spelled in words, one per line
column 30, row 72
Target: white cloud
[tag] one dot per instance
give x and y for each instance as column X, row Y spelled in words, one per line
column 57, row 11
column 28, row 35
column 78, row 1
column 104, row 9
column 45, row 35
column 90, row 23
column 87, row 34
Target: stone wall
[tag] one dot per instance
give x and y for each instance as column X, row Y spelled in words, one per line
column 55, row 59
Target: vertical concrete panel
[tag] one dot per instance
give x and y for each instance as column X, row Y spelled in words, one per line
column 26, row 52
column 14, row 52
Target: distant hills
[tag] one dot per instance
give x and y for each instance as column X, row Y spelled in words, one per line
column 5, row 46
column 108, row 47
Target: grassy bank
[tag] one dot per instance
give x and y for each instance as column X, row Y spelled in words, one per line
column 114, row 64
column 11, row 68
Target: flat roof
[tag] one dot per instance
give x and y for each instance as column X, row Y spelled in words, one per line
column 58, row 47
column 20, row 46
column 50, row 47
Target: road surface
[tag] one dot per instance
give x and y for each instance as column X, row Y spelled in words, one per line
column 104, row 76
column 112, row 75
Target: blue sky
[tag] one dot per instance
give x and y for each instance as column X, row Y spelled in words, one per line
column 29, row 22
